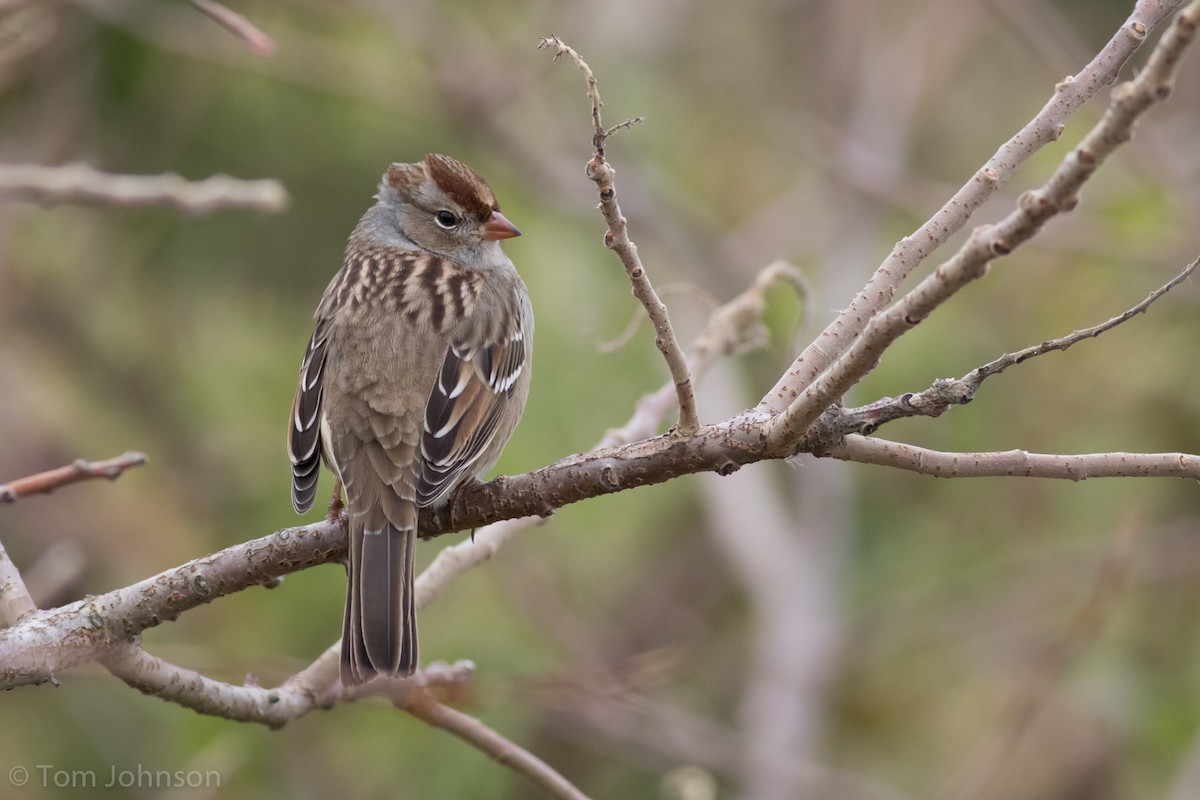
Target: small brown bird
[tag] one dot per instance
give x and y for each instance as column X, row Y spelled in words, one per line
column 413, row 382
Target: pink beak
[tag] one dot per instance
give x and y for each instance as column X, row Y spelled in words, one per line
column 498, row 227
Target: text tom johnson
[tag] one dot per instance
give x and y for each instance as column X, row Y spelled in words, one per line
column 137, row 776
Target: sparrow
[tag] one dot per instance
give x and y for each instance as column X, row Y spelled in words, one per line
column 413, row 381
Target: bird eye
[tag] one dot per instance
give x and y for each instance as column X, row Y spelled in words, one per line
column 446, row 219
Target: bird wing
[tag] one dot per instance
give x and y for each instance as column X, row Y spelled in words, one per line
column 304, row 433
column 468, row 406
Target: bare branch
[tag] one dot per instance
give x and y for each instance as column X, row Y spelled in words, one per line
column 1015, row 463
column 1069, row 95
column 945, row 393
column 270, row 707
column 1058, row 195
column 46, row 482
column 422, row 704
column 244, row 29
column 80, row 183
column 44, row 642
column 616, row 238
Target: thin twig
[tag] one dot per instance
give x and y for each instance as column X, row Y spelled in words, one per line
column 1046, row 127
column 1014, row 463
column 80, row 183
column 616, row 238
column 945, row 393
column 423, row 705
column 1130, row 101
column 244, row 29
column 46, row 482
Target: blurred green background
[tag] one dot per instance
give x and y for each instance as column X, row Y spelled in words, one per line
column 818, row 631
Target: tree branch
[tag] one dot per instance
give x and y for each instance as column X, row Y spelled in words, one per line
column 945, row 393
column 45, row 642
column 1059, row 194
column 616, row 238
column 46, row 482
column 80, row 183
column 1069, row 95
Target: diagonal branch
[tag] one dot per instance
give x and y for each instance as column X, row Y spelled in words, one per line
column 48, row 641
column 1059, row 194
column 1046, row 127
column 945, row 393
column 81, row 470
column 616, row 238
column 421, row 703
column 238, row 25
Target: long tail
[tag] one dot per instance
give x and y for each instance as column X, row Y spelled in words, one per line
column 379, row 635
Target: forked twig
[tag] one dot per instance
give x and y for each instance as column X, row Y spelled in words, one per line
column 1069, row 95
column 1130, row 101
column 616, row 238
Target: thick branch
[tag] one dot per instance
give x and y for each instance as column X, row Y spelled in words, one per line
column 1059, row 194
column 1069, row 95
column 48, row 641
column 79, row 183
column 616, row 238
column 46, row 482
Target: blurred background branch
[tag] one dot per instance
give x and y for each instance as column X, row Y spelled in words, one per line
column 79, row 183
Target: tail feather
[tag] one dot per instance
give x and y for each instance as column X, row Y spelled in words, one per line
column 379, row 634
